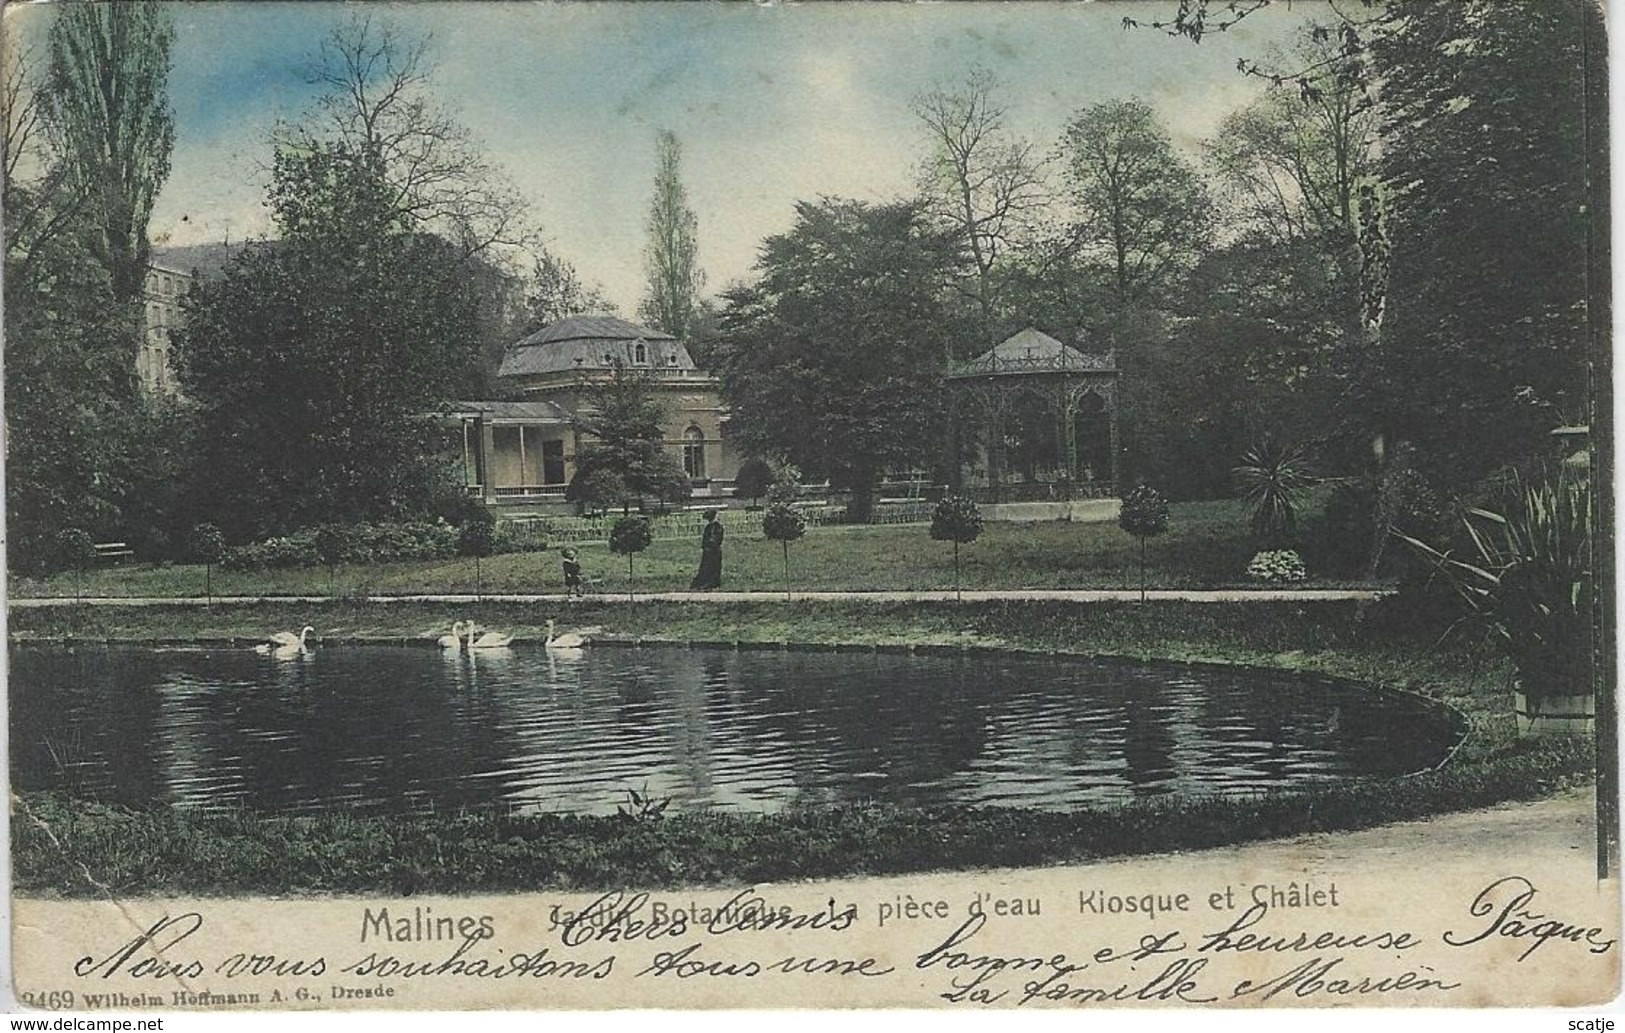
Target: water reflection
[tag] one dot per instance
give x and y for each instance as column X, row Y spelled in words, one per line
column 410, row 730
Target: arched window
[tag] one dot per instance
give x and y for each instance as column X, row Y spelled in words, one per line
column 694, row 453
column 640, row 354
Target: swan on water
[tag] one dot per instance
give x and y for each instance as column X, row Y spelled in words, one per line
column 286, row 642
column 455, row 639
column 489, row 640
column 568, row 640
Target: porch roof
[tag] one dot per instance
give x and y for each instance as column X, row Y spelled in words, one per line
column 533, row 412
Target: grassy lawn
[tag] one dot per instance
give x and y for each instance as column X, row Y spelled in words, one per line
column 1206, row 546
column 161, row 850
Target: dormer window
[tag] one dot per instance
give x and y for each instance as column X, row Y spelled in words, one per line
column 671, row 360
column 640, row 354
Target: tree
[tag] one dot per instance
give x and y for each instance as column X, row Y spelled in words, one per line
column 378, row 100
column 1494, row 171
column 76, row 551
column 1293, row 161
column 1298, row 168
column 832, row 357
column 67, row 385
column 626, row 460
column 956, row 519
column 42, row 198
column 477, row 538
column 982, row 181
column 80, row 172
column 755, row 476
column 331, row 541
column 629, row 536
column 554, row 290
column 69, row 379
column 312, row 362
column 108, row 108
column 1144, row 515
column 206, row 545
column 675, row 278
column 783, row 523
column 1146, row 211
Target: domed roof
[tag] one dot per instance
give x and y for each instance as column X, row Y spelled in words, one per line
column 593, row 343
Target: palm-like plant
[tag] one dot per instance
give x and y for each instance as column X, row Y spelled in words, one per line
column 1273, row 478
column 1527, row 580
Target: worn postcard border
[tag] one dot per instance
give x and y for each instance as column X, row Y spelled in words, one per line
column 644, row 192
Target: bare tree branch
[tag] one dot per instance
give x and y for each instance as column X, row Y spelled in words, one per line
column 979, row 179
column 378, row 98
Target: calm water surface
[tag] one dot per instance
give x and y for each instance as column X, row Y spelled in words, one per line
column 408, row 730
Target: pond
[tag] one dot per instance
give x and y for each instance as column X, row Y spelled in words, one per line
column 381, row 729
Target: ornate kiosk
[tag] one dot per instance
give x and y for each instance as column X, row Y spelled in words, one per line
column 1035, row 420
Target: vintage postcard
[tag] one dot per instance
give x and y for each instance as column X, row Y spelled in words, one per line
column 984, row 506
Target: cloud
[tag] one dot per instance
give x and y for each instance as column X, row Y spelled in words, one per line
column 772, row 103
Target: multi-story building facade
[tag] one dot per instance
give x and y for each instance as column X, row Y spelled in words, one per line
column 162, row 316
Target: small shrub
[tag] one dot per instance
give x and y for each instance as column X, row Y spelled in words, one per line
column 629, row 536
column 1144, row 515
column 783, row 523
column 956, row 519
column 643, row 806
column 362, row 543
column 1273, row 478
column 477, row 538
column 207, row 546
column 75, row 549
column 330, row 542
column 754, row 478
column 1527, row 581
column 1277, row 566
column 599, row 489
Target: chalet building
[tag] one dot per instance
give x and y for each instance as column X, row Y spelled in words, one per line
column 518, row 455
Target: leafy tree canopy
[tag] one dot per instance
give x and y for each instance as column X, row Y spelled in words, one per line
column 627, row 459
column 1145, row 209
column 108, row 107
column 313, row 361
column 1494, row 169
column 671, row 259
column 833, row 356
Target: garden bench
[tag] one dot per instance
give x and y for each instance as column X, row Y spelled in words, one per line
column 112, row 552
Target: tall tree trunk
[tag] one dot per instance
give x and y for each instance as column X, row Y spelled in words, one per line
column 1142, row 569
column 861, row 506
column 958, row 597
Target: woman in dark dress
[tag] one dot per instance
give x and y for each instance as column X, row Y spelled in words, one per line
column 710, row 575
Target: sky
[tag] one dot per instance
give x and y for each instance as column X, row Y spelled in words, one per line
column 772, row 103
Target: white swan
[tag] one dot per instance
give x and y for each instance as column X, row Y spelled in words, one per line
column 455, row 639
column 568, row 640
column 489, row 640
column 286, row 643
